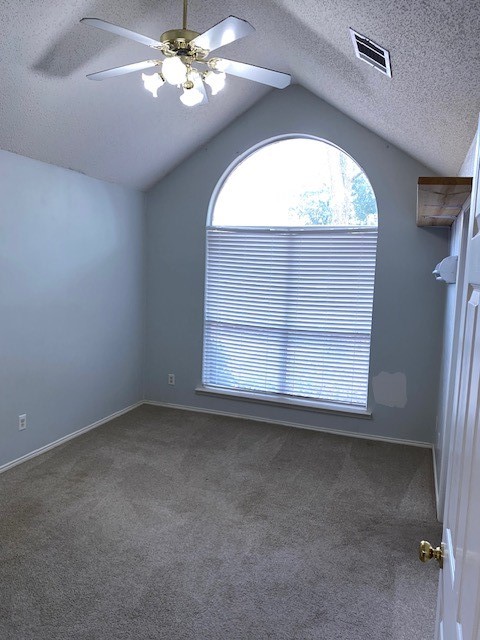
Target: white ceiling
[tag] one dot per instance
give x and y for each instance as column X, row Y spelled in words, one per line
column 115, row 130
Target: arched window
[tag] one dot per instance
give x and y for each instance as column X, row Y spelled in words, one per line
column 291, row 245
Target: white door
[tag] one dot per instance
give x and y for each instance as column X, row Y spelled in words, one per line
column 458, row 615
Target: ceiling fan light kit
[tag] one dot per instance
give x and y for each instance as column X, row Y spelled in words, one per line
column 186, row 64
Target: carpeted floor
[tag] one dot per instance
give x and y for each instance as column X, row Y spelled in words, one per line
column 171, row 525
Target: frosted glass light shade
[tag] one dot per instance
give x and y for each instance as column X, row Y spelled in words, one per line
column 218, row 64
column 215, row 80
column 191, row 97
column 174, row 71
column 152, row 83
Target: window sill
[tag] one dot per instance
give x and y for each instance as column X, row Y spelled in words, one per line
column 284, row 401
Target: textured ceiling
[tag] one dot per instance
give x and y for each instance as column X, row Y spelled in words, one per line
column 114, row 130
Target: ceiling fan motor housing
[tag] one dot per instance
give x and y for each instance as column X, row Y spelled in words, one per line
column 178, row 42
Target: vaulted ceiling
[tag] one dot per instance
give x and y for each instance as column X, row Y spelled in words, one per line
column 114, row 130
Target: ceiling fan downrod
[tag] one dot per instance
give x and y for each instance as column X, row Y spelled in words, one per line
column 176, row 41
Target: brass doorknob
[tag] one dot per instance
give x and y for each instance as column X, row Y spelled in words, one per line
column 426, row 552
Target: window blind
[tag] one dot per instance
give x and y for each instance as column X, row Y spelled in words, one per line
column 289, row 312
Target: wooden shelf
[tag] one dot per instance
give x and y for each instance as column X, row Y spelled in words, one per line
column 440, row 200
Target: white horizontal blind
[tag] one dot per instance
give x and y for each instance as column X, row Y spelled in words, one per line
column 289, row 312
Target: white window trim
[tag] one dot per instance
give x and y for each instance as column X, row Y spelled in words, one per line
column 286, row 401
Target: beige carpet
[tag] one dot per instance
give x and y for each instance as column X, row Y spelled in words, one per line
column 172, row 525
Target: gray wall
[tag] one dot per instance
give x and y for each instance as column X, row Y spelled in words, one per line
column 71, row 301
column 408, row 310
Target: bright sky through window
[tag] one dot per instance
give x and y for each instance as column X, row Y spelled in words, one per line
column 295, row 183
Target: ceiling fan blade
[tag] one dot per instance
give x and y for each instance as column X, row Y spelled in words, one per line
column 120, row 71
column 223, row 33
column 121, row 31
column 257, row 74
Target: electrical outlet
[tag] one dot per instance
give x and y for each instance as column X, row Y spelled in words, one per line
column 22, row 422
column 171, row 378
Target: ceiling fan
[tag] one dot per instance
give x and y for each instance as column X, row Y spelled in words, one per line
column 187, row 63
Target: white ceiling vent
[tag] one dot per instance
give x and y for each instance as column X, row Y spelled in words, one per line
column 370, row 52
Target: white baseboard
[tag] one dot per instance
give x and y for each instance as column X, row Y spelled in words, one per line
column 70, row 436
column 297, row 425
